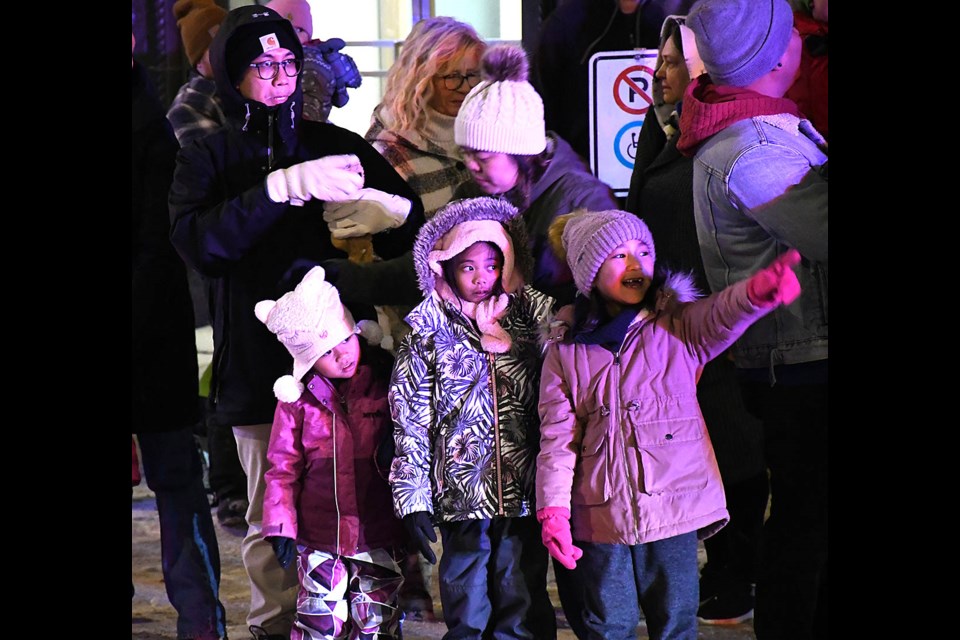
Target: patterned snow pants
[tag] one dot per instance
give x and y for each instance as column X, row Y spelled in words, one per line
column 349, row 597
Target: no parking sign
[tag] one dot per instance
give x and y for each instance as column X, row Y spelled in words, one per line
column 621, row 92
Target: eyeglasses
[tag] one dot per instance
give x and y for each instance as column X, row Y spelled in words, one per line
column 269, row 70
column 453, row 81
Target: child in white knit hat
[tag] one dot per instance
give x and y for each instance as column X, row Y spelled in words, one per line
column 626, row 467
column 464, row 400
column 327, row 502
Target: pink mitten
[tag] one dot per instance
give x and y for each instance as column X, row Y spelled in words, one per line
column 776, row 283
column 556, row 535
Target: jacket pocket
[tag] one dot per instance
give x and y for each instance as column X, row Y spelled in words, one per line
column 671, row 445
column 590, row 485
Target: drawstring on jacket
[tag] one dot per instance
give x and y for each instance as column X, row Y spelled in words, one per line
column 246, row 119
column 613, row 16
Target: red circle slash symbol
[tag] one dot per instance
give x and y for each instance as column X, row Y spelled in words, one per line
column 633, row 88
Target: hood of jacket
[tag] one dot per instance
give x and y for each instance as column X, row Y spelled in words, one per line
column 241, row 111
column 458, row 211
column 709, row 108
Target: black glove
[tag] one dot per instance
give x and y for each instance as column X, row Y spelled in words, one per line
column 332, row 268
column 284, row 548
column 419, row 530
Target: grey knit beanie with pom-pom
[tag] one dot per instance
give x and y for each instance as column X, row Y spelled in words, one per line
column 504, row 113
column 585, row 238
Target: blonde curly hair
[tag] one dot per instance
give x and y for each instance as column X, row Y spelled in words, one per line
column 433, row 47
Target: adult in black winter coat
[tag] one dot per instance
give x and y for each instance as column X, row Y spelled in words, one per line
column 249, row 202
column 165, row 399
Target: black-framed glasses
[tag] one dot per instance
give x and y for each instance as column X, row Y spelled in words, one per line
column 268, row 70
column 453, row 81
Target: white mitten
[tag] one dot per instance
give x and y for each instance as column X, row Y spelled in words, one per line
column 328, row 178
column 372, row 212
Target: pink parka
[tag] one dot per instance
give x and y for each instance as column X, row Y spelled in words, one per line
column 623, row 444
column 323, row 486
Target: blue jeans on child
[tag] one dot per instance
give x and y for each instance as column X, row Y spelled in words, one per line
column 661, row 578
column 493, row 580
column 189, row 552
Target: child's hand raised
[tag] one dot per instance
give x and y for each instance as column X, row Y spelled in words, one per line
column 776, row 283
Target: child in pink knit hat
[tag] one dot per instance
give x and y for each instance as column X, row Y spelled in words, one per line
column 627, row 481
column 327, row 502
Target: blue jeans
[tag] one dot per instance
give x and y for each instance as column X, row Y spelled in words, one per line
column 493, row 580
column 661, row 578
column 189, row 552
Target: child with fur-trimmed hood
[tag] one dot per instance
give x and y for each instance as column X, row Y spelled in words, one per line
column 626, row 467
column 463, row 398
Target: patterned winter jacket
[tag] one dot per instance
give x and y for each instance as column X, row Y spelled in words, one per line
column 466, row 427
column 623, row 443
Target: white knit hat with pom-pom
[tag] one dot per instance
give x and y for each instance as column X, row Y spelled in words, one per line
column 308, row 321
column 504, row 113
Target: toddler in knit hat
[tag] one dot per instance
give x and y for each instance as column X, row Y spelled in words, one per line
column 626, row 467
column 327, row 503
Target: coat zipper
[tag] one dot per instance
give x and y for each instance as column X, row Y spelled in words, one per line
column 496, row 433
column 270, row 141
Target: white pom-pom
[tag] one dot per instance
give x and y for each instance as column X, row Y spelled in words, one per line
column 371, row 331
column 287, row 389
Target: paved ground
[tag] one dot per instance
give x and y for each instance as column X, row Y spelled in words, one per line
column 155, row 619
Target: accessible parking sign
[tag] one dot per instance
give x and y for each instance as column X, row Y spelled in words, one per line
column 621, row 93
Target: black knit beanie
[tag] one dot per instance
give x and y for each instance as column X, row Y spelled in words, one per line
column 251, row 40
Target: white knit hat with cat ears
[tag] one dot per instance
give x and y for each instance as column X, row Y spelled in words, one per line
column 308, row 321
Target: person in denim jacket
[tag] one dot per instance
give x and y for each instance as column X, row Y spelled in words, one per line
column 760, row 189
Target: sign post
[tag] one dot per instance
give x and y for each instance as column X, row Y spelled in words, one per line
column 621, row 94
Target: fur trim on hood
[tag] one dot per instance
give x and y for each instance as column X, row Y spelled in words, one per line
column 677, row 288
column 470, row 209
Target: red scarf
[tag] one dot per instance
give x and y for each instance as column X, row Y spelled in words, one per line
column 709, row 109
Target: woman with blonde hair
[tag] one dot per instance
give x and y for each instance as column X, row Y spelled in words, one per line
column 412, row 127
